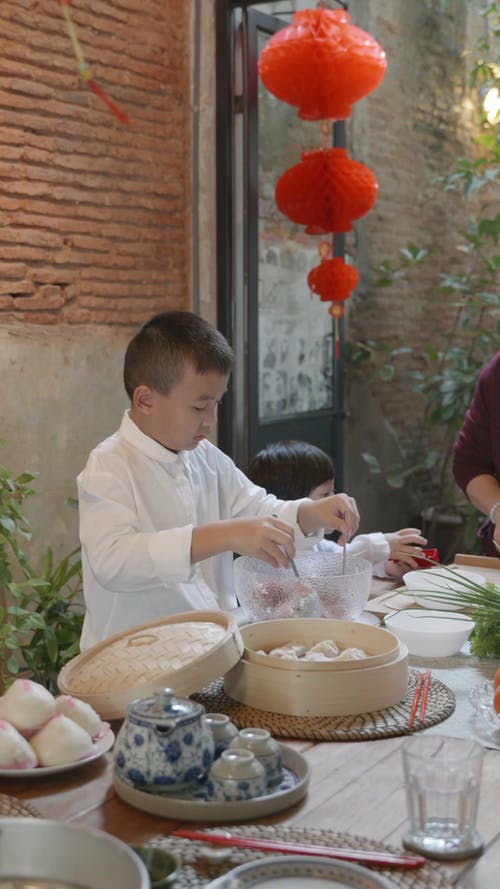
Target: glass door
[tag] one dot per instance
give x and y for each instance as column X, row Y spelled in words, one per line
column 287, row 382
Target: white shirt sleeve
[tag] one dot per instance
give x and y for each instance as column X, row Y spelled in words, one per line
column 373, row 547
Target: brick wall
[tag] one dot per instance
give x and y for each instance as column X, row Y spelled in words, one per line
column 94, row 216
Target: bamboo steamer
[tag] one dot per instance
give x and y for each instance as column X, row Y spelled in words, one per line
column 380, row 644
column 311, row 688
column 183, row 652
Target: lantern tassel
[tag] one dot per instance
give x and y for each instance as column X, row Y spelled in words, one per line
column 337, row 338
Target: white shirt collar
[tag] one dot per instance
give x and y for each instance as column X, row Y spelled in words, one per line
column 145, row 443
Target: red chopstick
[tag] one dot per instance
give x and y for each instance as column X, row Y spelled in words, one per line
column 416, row 698
column 224, row 838
column 425, row 692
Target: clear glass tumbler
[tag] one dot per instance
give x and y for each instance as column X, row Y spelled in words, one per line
column 442, row 777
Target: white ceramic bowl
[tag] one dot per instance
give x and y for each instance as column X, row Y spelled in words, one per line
column 53, row 852
column 439, row 580
column 430, row 633
column 268, row 593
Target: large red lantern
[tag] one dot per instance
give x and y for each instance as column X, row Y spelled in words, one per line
column 321, row 64
column 326, row 191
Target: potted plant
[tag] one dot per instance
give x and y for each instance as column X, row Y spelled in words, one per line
column 40, row 620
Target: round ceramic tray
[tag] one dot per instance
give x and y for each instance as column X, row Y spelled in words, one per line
column 298, row 872
column 101, row 746
column 192, row 804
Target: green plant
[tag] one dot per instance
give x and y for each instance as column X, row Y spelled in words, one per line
column 41, row 624
column 443, row 373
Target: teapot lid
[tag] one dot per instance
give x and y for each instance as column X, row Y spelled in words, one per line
column 165, row 709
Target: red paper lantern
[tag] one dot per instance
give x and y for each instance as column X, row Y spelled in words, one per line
column 333, row 280
column 326, row 191
column 321, row 64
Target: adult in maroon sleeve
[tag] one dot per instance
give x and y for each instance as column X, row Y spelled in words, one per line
column 476, row 456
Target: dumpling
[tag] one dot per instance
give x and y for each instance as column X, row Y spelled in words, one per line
column 351, row 654
column 316, row 656
column 61, row 741
column 298, row 649
column 326, row 647
column 27, row 705
column 286, row 653
column 15, row 751
column 81, row 713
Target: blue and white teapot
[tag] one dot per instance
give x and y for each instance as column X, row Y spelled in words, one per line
column 164, row 743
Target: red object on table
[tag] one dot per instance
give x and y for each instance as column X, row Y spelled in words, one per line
column 431, row 553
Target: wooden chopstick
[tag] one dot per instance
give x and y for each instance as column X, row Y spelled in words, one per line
column 416, row 698
column 425, row 692
column 225, row 838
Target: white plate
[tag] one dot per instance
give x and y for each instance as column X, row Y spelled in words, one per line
column 437, row 580
column 101, row 746
column 367, row 617
column 300, row 872
column 192, row 805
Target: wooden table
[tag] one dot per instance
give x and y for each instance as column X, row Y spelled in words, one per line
column 355, row 787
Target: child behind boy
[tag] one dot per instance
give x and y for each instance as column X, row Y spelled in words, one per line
column 162, row 510
column 294, row 469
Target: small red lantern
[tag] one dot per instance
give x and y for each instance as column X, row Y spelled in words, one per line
column 326, row 191
column 333, row 280
column 321, row 64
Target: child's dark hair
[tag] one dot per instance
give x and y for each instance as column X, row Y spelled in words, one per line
column 290, row 469
column 158, row 353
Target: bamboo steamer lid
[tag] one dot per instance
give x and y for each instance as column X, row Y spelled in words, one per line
column 183, row 652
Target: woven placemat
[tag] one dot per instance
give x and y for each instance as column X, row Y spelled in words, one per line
column 11, row 806
column 197, row 870
column 368, row 726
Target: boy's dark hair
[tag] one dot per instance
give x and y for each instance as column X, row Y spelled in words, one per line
column 158, row 353
column 290, row 469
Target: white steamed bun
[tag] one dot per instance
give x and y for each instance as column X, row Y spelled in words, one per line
column 81, row 713
column 61, row 741
column 27, row 705
column 15, row 751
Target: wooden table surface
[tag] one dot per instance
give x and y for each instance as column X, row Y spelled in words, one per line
column 355, row 787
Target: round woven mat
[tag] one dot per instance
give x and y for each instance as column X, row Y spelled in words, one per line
column 10, row 806
column 197, row 870
column 367, row 726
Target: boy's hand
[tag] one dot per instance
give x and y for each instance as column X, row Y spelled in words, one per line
column 404, row 545
column 267, row 538
column 336, row 513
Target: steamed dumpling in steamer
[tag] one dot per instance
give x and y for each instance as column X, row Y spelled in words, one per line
column 81, row 713
column 61, row 741
column 326, row 647
column 27, row 705
column 15, row 751
column 351, row 654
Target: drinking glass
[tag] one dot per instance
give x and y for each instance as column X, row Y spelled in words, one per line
column 442, row 777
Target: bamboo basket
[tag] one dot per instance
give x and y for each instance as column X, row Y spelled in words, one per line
column 311, row 688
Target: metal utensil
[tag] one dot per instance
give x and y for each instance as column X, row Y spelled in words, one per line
column 291, row 561
column 344, row 550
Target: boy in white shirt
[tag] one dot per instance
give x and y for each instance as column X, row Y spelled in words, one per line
column 162, row 510
column 291, row 469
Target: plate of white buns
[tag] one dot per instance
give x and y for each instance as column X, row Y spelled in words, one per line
column 43, row 735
